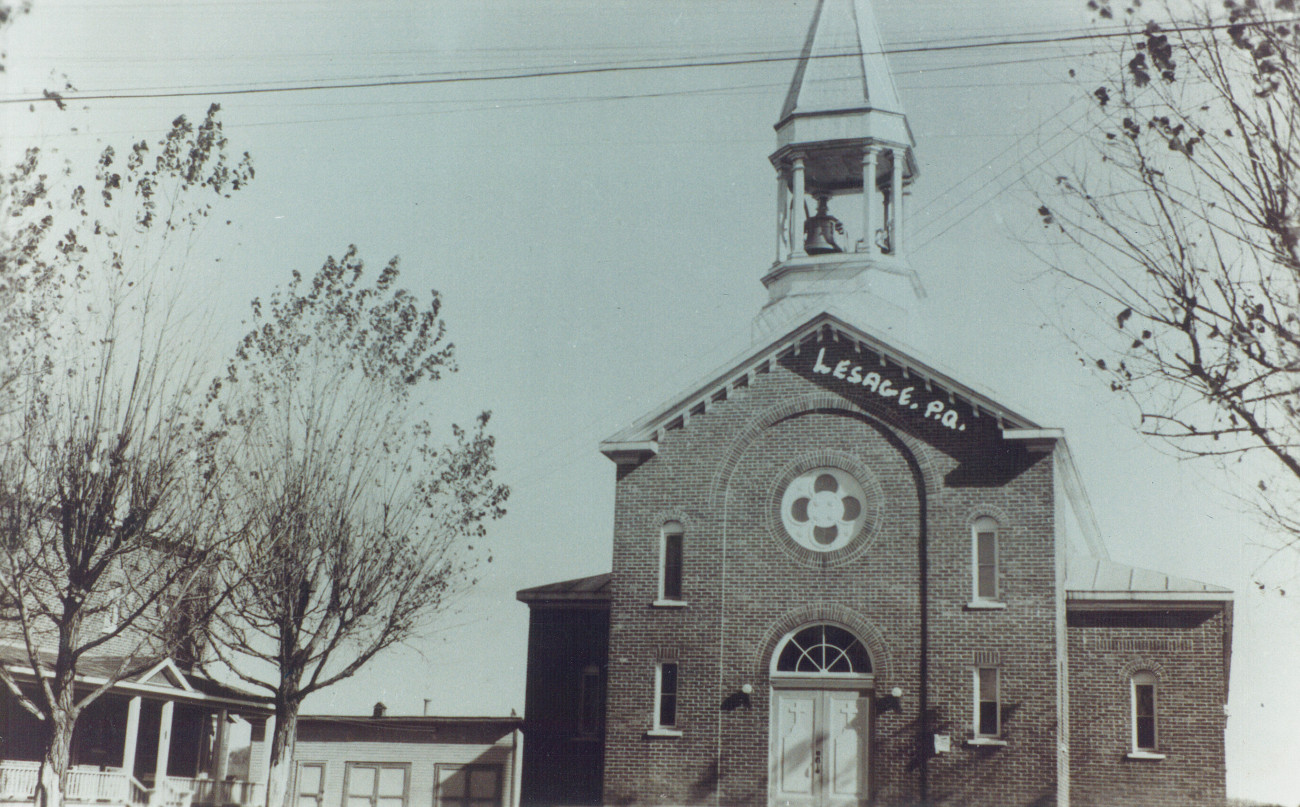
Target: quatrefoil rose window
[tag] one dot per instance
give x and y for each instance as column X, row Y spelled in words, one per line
column 822, row 509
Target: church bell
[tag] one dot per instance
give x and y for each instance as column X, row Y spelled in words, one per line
column 820, row 229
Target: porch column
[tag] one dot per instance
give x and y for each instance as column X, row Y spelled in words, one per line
column 164, row 745
column 219, row 743
column 132, row 735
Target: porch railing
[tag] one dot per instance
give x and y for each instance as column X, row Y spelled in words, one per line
column 18, row 782
column 210, row 793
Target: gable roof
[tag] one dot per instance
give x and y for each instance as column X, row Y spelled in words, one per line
column 164, row 679
column 827, row 323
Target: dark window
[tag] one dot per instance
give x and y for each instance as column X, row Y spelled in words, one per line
column 589, row 702
column 988, row 565
column 984, row 558
column 987, row 717
column 672, row 563
column 667, row 712
column 1144, row 712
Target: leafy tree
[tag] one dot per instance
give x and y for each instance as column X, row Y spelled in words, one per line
column 352, row 526
column 1184, row 232
column 107, row 512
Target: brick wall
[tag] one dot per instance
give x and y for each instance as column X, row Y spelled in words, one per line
column 1185, row 650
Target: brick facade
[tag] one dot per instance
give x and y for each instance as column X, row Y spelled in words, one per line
column 747, row 585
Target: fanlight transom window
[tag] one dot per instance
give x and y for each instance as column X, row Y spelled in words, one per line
column 823, row 650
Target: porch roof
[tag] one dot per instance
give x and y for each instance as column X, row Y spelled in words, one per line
column 163, row 679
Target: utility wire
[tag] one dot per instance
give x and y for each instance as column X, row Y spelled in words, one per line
column 463, row 77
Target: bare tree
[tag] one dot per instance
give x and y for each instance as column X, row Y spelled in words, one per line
column 353, row 527
column 1183, row 232
column 105, row 474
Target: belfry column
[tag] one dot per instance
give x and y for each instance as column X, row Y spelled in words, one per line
column 784, row 220
column 896, row 202
column 797, row 220
column 868, row 201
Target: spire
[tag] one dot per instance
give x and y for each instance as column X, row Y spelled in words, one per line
column 842, row 66
column 843, row 160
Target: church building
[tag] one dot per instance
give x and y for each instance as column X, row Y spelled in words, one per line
column 845, row 576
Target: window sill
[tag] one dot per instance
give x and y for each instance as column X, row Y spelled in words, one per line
column 668, row 604
column 986, row 741
column 985, row 605
column 1151, row 755
column 663, row 733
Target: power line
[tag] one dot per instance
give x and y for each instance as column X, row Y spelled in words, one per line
column 465, row 77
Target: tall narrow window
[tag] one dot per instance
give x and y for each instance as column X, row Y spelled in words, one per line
column 666, row 695
column 590, row 702
column 1144, row 712
column 670, row 580
column 987, row 697
column 984, row 537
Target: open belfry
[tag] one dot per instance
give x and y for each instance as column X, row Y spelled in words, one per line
column 842, row 576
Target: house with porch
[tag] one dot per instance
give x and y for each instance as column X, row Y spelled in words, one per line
column 165, row 736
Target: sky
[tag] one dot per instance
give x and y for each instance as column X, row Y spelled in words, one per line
column 598, row 239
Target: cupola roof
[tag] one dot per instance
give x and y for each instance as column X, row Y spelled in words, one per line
column 842, row 66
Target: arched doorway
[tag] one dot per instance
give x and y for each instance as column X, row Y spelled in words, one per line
column 822, row 684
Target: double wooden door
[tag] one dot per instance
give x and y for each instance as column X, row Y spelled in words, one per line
column 820, row 747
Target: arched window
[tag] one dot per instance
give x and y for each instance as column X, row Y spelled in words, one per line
column 671, row 565
column 823, row 650
column 984, row 561
column 1142, row 696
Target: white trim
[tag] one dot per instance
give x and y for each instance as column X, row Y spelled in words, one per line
column 983, row 740
column 664, row 733
column 669, row 604
column 167, row 666
column 985, row 605
column 1130, row 596
column 1144, row 755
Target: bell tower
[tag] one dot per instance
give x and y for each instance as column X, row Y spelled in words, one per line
column 843, row 163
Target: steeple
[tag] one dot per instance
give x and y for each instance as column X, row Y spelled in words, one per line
column 837, row 235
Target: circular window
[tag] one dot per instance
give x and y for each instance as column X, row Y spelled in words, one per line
column 822, row 509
